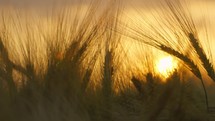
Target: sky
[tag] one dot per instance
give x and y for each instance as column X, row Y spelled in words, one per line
column 202, row 10
column 143, row 4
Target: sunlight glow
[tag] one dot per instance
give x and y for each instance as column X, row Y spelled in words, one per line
column 165, row 66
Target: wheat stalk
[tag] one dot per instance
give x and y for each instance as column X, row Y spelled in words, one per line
column 202, row 56
column 193, row 67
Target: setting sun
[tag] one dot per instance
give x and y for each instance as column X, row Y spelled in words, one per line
column 166, row 66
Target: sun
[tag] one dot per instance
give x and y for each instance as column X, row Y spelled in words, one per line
column 165, row 66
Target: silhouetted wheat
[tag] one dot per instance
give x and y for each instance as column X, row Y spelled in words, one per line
column 7, row 69
column 61, row 91
column 181, row 25
column 202, row 56
column 164, row 98
column 194, row 68
column 138, row 85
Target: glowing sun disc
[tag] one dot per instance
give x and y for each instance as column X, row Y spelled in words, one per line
column 166, row 66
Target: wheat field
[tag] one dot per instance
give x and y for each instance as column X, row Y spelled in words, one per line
column 107, row 60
